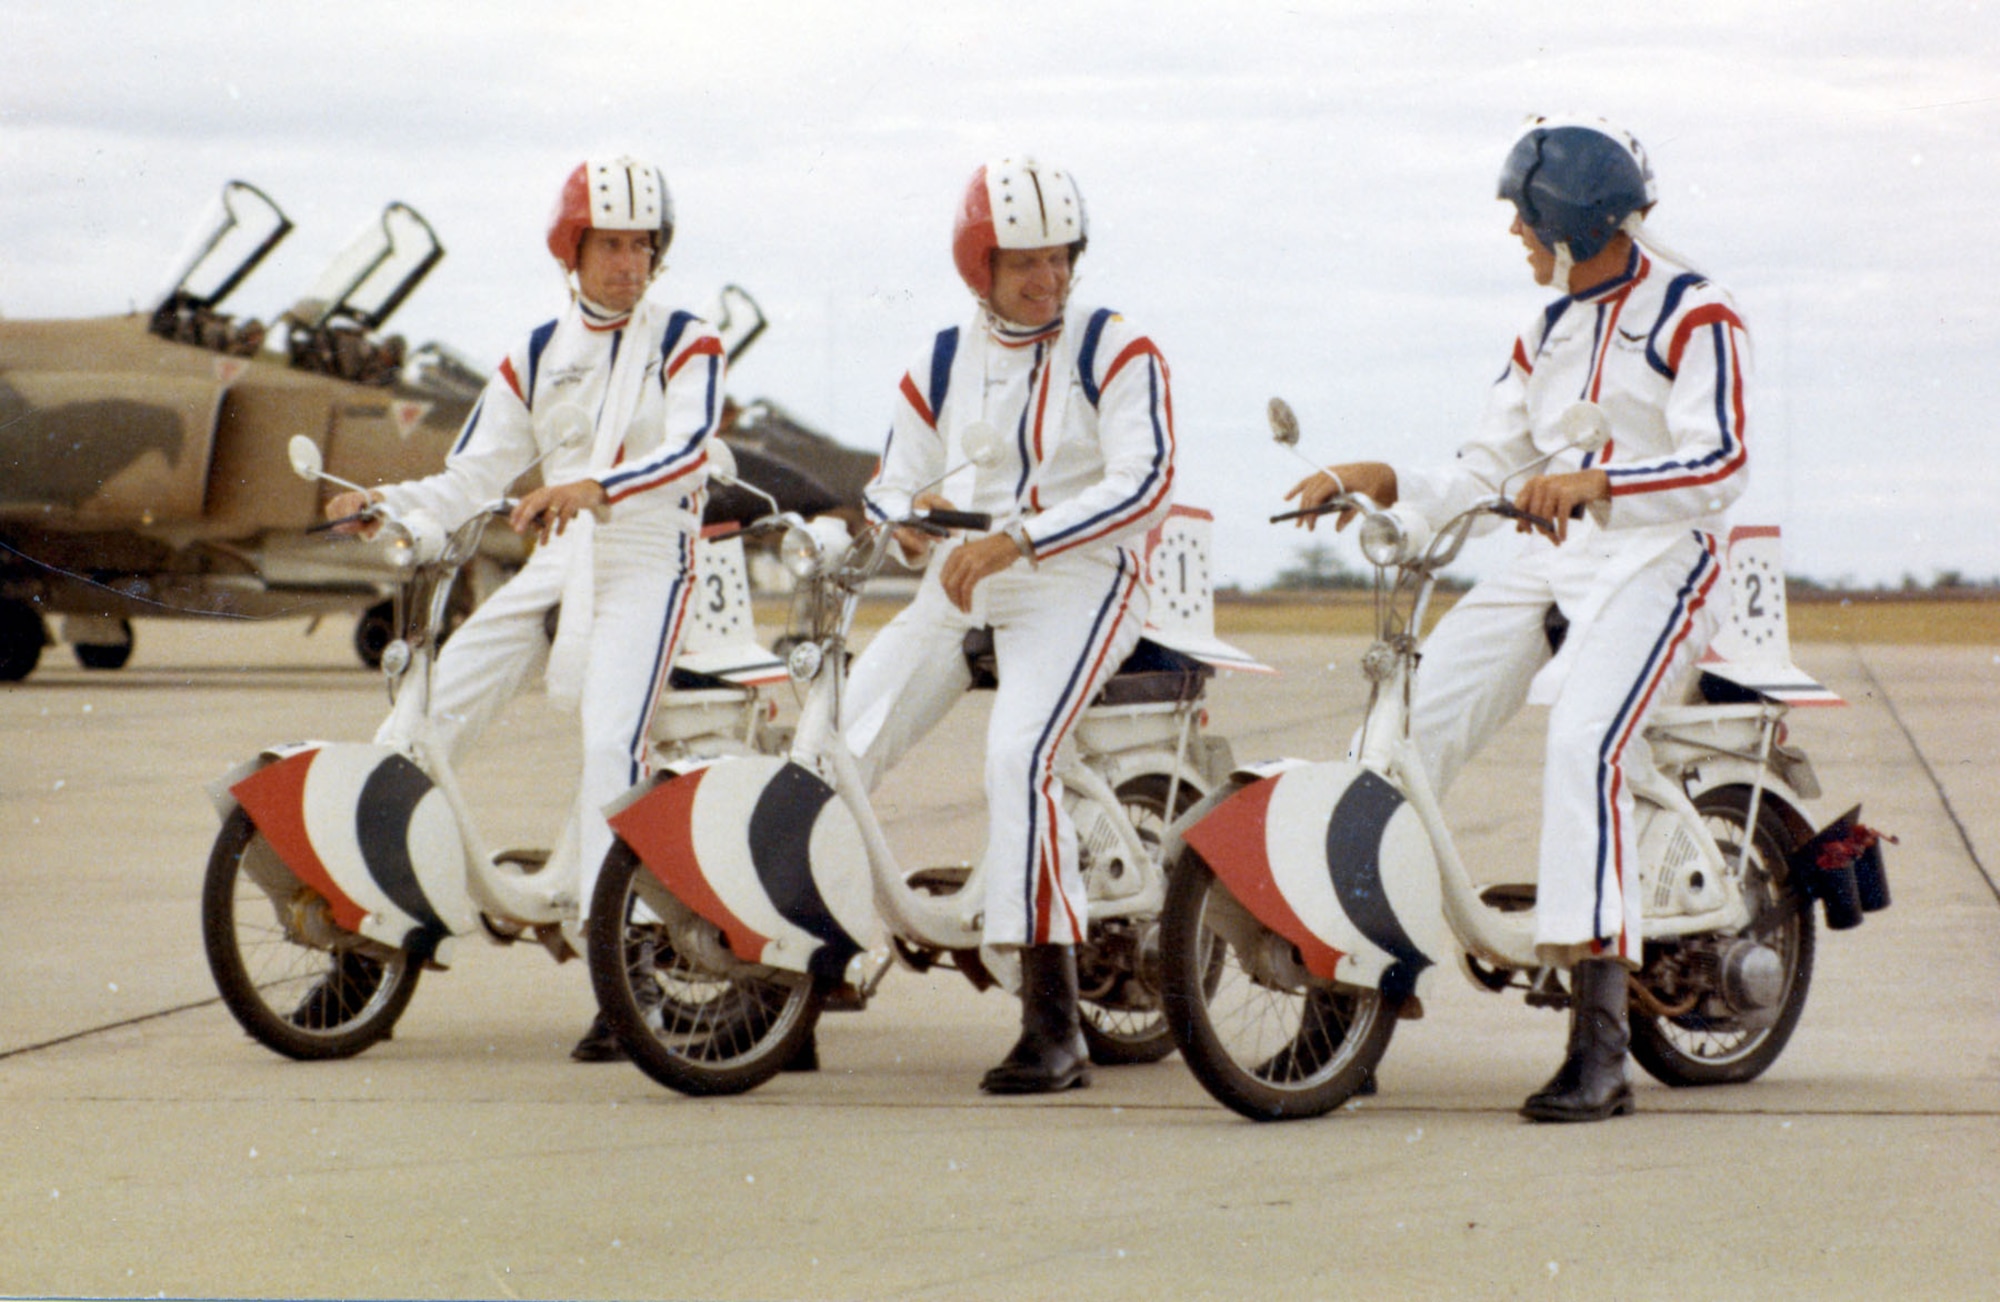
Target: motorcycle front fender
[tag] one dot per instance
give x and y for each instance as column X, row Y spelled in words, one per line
column 767, row 852
column 1332, row 858
column 370, row 832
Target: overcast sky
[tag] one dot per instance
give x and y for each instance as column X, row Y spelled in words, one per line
column 1292, row 198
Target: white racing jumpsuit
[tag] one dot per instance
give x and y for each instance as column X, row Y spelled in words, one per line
column 1664, row 352
column 1084, row 411
column 647, row 387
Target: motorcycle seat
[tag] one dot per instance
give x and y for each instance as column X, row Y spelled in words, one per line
column 1152, row 674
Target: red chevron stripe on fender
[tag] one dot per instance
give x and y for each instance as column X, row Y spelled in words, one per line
column 659, row 826
column 1231, row 841
column 274, row 797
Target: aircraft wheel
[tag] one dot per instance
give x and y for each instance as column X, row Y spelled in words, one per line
column 105, row 655
column 373, row 633
column 23, row 634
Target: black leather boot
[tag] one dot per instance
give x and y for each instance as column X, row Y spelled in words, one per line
column 1591, row 1083
column 1051, row 1054
column 598, row 1044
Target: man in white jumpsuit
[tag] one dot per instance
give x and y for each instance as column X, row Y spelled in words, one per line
column 1630, row 561
column 620, row 396
column 1079, row 400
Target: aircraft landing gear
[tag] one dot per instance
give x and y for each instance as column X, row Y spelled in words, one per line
column 99, row 642
column 373, row 632
column 23, row 634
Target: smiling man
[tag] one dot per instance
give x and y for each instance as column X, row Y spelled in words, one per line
column 616, row 399
column 1078, row 400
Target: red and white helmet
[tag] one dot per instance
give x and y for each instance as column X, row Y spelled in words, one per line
column 616, row 194
column 1016, row 203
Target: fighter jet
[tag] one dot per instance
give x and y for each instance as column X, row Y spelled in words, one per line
column 143, row 466
column 142, row 457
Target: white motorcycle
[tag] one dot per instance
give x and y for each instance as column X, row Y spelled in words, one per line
column 741, row 892
column 1313, row 904
column 344, row 869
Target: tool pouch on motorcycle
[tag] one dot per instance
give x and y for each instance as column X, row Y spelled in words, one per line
column 1842, row 868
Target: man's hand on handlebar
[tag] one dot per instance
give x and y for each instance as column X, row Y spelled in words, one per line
column 1555, row 500
column 916, row 543
column 548, row 510
column 348, row 512
column 1372, row 479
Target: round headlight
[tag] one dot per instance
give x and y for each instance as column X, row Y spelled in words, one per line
column 1382, row 540
column 803, row 661
column 1394, row 537
column 799, row 551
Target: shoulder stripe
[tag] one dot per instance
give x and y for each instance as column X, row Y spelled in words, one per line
column 943, row 354
column 538, row 343
column 1086, row 354
column 706, row 346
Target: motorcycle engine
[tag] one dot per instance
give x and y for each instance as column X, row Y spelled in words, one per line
column 1106, row 875
column 1674, row 876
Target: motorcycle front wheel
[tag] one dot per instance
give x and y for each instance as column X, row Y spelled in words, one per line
column 1123, row 1019
column 1710, row 1043
column 296, row 984
column 690, row 1026
column 1262, row 1036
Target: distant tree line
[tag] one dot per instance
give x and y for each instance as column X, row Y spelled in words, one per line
column 1320, row 569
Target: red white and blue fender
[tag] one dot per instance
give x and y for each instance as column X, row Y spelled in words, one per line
column 1333, row 858
column 766, row 851
column 368, row 830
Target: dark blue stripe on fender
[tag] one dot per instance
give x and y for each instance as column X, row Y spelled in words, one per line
column 1354, row 861
column 389, row 800
column 781, row 829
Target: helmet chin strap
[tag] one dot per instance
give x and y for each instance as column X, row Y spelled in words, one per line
column 1635, row 226
column 1565, row 264
column 1002, row 326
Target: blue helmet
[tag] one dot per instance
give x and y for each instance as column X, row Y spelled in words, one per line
column 1575, row 182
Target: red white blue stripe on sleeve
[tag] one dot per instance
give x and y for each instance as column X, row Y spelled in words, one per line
column 677, row 460
column 1154, row 489
column 1716, row 327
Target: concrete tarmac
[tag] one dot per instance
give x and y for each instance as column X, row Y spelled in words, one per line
column 151, row 1148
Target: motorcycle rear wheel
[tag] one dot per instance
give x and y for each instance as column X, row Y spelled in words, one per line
column 1124, row 1021
column 1704, row 1047
column 692, row 1029
column 1269, row 1049
column 296, row 998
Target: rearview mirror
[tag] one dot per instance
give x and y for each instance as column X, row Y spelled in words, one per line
column 721, row 462
column 566, row 425
column 982, row 445
column 306, row 460
column 1584, row 426
column 1284, row 423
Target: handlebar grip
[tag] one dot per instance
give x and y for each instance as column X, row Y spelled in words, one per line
column 1327, row 507
column 955, row 519
column 1509, row 511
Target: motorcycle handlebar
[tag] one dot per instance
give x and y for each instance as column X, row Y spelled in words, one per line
column 943, row 519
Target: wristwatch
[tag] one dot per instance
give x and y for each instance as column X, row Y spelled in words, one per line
column 1018, row 531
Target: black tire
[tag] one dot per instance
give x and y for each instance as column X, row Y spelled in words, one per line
column 105, row 655
column 1710, row 1045
column 374, row 631
column 23, row 634
column 1271, row 1044
column 299, row 999
column 692, row 1028
column 1124, row 1016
